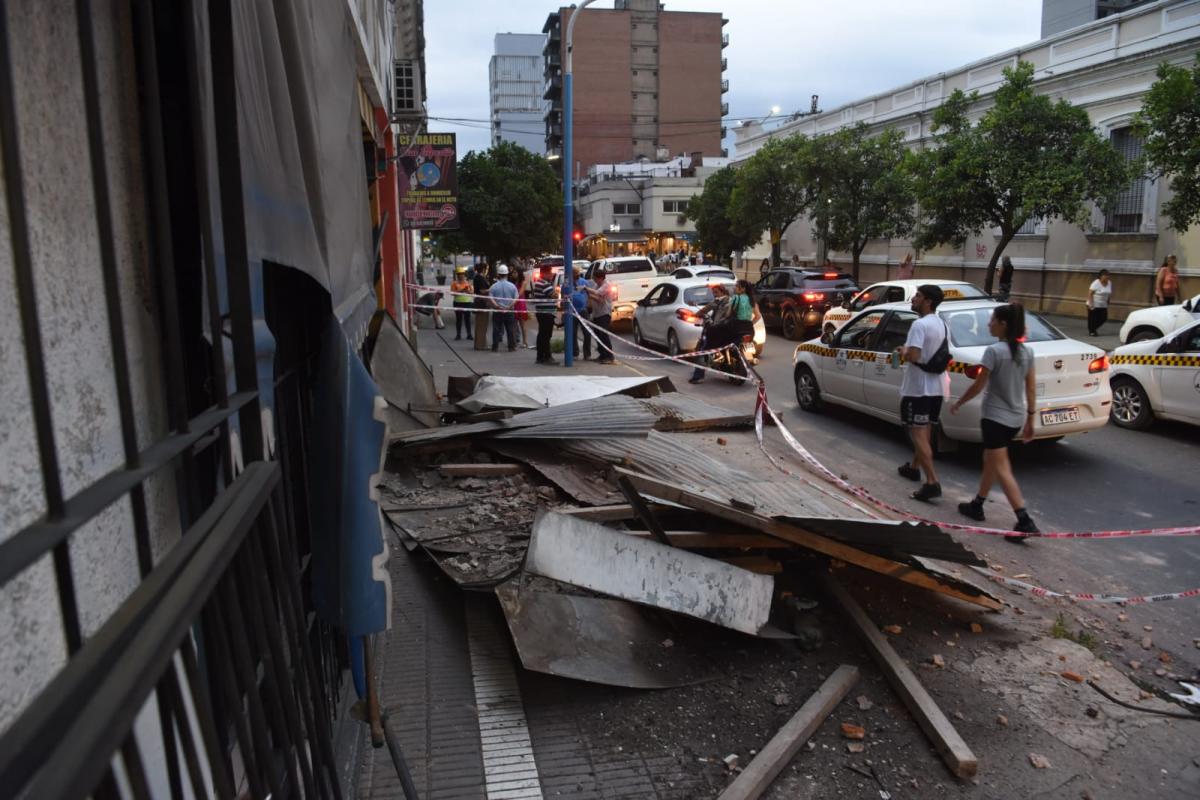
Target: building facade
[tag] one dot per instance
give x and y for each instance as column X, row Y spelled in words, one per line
column 646, row 81
column 515, row 89
column 1105, row 67
column 1062, row 15
column 641, row 207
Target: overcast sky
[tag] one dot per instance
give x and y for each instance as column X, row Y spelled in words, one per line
column 781, row 51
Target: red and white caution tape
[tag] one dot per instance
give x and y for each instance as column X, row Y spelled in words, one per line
column 1041, row 591
column 657, row 356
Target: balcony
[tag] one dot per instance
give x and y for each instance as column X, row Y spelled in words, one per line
column 724, row 85
column 724, row 131
column 553, row 57
column 724, row 64
column 724, row 40
column 553, row 88
column 724, row 109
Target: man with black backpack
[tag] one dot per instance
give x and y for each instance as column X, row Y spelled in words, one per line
column 925, row 384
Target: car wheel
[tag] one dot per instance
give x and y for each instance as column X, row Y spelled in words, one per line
column 808, row 393
column 793, row 326
column 637, row 334
column 1144, row 335
column 1130, row 405
column 672, row 343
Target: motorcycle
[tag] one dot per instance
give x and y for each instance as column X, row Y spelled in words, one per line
column 728, row 360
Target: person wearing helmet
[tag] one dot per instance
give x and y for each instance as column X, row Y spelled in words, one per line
column 503, row 296
column 461, row 287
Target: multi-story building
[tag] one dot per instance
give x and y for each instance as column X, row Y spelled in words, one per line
column 515, row 88
column 642, row 206
column 1105, row 67
column 645, row 79
column 1061, row 15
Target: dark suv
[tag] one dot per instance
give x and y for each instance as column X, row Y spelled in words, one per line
column 796, row 299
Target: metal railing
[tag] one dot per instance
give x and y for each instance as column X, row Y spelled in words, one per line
column 217, row 634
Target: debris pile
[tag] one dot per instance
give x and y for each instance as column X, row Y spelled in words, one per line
column 612, row 540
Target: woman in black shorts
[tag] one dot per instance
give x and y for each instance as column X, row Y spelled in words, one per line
column 1009, row 389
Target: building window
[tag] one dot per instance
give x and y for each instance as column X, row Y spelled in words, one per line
column 675, row 206
column 627, row 208
column 1126, row 214
column 1029, row 228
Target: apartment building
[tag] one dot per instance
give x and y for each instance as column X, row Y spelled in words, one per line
column 515, row 88
column 644, row 79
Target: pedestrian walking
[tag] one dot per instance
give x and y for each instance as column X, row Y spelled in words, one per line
column 601, row 297
column 1006, row 279
column 579, row 302
column 1099, row 294
column 461, row 289
column 521, row 309
column 503, row 298
column 795, row 260
column 906, row 270
column 544, row 296
column 481, row 285
column 1166, row 282
column 1009, row 386
column 923, row 387
column 764, row 267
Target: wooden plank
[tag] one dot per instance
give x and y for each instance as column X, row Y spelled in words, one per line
column 643, row 511
column 480, row 470
column 802, row 537
column 784, row 745
column 933, row 722
column 760, row 564
column 701, row 540
column 487, row 416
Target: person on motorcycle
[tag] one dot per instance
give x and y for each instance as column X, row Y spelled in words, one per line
column 715, row 313
column 739, row 321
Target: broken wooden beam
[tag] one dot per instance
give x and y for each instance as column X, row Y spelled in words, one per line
column 784, row 745
column 844, row 552
column 758, row 564
column 703, row 540
column 642, row 509
column 480, row 470
column 487, row 416
column 933, row 722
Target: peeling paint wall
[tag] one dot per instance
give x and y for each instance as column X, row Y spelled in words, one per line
column 74, row 329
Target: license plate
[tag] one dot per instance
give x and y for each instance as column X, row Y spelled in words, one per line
column 1058, row 416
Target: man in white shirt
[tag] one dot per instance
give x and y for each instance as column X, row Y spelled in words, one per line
column 923, row 388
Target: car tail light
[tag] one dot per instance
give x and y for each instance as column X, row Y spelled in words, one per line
column 1098, row 365
column 814, row 297
column 687, row 315
column 973, row 371
column 831, row 275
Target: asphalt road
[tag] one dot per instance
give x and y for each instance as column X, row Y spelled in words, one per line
column 1105, row 480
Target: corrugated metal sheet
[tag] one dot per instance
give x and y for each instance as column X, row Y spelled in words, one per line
column 678, row 411
column 805, row 502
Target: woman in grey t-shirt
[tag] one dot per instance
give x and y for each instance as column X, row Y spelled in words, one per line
column 1008, row 384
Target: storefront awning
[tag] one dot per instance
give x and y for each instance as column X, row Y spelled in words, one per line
column 632, row 236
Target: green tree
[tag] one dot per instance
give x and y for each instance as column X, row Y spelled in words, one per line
column 510, row 204
column 865, row 186
column 1028, row 157
column 1170, row 122
column 717, row 229
column 772, row 190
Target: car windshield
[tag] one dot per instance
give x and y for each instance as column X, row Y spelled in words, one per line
column 715, row 273
column 821, row 282
column 969, row 327
column 697, row 296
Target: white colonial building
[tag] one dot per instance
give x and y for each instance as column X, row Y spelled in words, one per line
column 1105, row 67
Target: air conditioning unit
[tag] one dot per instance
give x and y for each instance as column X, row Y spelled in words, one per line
column 407, row 102
column 681, row 219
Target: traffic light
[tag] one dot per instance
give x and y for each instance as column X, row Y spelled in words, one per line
column 578, row 235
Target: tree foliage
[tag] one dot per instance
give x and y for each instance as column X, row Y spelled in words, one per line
column 1170, row 122
column 719, row 231
column 772, row 190
column 510, row 203
column 1028, row 157
column 865, row 188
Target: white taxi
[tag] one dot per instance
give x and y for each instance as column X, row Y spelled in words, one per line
column 1157, row 378
column 895, row 292
column 857, row 370
column 1159, row 321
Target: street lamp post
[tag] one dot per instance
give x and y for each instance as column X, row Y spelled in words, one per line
column 568, row 188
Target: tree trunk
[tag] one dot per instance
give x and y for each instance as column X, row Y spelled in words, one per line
column 1005, row 238
column 856, row 254
column 776, row 238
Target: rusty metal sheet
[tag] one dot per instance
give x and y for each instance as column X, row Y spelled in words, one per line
column 585, row 483
column 803, row 501
column 597, row 639
column 594, row 557
column 683, row 412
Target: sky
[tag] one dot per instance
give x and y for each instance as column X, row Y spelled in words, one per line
column 781, row 51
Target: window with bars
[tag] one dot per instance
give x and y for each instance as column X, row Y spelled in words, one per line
column 1126, row 214
column 1030, row 227
column 406, row 93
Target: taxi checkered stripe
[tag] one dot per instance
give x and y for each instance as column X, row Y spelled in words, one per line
column 829, row 352
column 1157, row 361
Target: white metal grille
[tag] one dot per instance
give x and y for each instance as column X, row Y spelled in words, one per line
column 1126, row 214
column 406, row 88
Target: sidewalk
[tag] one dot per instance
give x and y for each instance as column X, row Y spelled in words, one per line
column 1076, row 328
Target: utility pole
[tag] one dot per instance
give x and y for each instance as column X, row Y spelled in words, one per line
column 568, row 161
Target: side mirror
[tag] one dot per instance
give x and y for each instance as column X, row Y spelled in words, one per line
column 846, row 304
